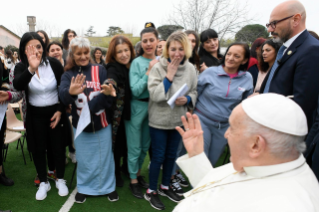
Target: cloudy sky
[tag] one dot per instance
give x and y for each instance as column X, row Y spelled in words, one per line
column 130, row 15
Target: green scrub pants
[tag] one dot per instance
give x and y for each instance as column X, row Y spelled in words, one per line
column 137, row 136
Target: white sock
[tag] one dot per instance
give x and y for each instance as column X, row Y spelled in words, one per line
column 164, row 187
column 149, row 190
column 51, row 172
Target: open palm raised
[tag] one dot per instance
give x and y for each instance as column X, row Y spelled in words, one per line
column 108, row 90
column 77, row 85
column 193, row 135
column 34, row 58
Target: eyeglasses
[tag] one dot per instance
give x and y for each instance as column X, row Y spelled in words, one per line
column 274, row 23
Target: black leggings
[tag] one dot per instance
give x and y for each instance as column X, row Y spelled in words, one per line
column 2, row 138
column 45, row 137
column 120, row 149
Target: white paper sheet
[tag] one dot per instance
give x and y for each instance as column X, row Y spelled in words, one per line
column 84, row 120
column 3, row 109
column 181, row 92
column 18, row 128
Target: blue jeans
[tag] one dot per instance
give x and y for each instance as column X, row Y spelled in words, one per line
column 164, row 148
column 180, row 152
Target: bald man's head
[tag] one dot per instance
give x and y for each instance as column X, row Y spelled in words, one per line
column 290, row 18
column 292, row 7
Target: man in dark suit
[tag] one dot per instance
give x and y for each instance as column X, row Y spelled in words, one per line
column 296, row 70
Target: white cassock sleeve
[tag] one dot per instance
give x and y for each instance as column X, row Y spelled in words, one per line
column 195, row 167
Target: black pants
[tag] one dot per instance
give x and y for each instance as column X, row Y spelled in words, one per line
column 120, row 149
column 50, row 158
column 45, row 137
column 2, row 138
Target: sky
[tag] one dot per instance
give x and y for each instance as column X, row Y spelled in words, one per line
column 130, row 15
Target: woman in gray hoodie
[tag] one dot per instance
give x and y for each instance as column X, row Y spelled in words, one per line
column 220, row 89
column 165, row 79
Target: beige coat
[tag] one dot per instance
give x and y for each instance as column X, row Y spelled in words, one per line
column 161, row 116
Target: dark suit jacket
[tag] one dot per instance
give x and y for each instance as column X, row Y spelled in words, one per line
column 298, row 74
column 312, row 152
column 22, row 78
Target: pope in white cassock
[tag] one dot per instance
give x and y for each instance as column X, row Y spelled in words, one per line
column 268, row 172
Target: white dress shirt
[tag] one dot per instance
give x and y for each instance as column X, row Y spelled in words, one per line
column 286, row 187
column 290, row 41
column 43, row 90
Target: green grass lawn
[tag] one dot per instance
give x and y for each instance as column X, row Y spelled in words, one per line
column 21, row 196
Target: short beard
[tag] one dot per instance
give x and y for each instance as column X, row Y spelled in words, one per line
column 277, row 40
column 286, row 34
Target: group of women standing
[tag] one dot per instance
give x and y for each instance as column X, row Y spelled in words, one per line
column 127, row 99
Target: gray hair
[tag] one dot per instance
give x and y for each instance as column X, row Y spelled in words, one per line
column 280, row 144
column 78, row 42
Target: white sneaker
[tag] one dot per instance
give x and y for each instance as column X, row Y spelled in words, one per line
column 42, row 191
column 61, row 186
column 72, row 157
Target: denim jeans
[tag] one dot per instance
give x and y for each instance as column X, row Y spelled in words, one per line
column 164, row 149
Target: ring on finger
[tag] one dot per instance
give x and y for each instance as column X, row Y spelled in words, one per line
column 186, row 129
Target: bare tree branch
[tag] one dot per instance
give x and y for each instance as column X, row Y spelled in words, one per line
column 225, row 16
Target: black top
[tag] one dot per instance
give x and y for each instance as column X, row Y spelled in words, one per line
column 120, row 74
column 209, row 59
column 254, row 73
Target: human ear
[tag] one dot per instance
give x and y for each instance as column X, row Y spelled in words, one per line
column 296, row 19
column 257, row 146
column 244, row 61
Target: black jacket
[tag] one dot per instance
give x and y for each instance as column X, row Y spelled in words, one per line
column 208, row 59
column 99, row 104
column 298, row 74
column 120, row 74
column 22, row 78
column 312, row 151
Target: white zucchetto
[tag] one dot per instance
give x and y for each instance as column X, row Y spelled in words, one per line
column 277, row 112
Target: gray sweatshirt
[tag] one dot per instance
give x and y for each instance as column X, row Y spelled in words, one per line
column 161, row 116
column 219, row 94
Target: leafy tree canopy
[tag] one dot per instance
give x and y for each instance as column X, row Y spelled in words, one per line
column 90, row 32
column 250, row 33
column 114, row 30
column 166, row 30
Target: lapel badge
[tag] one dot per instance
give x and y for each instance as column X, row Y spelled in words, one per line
column 289, row 52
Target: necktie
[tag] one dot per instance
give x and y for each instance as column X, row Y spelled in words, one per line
column 274, row 67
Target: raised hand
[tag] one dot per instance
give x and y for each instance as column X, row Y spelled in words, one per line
column 77, row 85
column 55, row 119
column 172, row 68
column 150, row 66
column 108, row 90
column 203, row 67
column 193, row 135
column 34, row 58
column 4, row 96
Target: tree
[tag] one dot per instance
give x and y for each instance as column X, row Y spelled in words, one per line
column 12, row 48
column 224, row 16
column 113, row 30
column 166, row 30
column 250, row 33
column 90, row 32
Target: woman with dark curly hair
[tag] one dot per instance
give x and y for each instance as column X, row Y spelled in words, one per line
column 68, row 35
column 268, row 54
